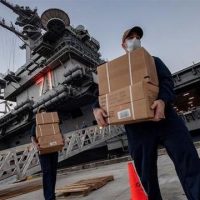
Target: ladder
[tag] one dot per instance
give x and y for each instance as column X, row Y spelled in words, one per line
column 22, row 161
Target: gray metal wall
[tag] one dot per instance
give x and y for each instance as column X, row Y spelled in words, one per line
column 57, row 77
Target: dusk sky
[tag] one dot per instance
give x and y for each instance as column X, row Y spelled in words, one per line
column 171, row 28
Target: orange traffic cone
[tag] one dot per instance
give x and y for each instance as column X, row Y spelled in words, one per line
column 136, row 188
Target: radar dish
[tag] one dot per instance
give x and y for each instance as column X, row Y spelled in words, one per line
column 55, row 19
column 80, row 28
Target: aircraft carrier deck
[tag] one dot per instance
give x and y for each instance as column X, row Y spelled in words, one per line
column 119, row 188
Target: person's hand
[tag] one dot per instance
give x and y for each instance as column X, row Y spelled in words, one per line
column 35, row 143
column 37, row 146
column 159, row 110
column 100, row 116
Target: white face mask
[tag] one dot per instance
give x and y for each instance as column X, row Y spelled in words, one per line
column 133, row 44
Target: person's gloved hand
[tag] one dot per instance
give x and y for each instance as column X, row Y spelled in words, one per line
column 100, row 116
column 159, row 110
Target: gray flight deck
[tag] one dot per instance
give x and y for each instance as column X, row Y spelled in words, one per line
column 119, row 188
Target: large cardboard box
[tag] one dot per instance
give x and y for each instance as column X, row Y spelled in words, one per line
column 125, row 70
column 47, row 118
column 48, row 132
column 47, row 129
column 50, row 143
column 130, row 104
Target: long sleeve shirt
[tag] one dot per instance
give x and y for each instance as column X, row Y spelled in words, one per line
column 33, row 131
column 166, row 83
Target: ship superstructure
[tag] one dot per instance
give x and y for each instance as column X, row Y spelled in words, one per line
column 59, row 73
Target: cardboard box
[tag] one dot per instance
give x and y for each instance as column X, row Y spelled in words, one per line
column 50, row 143
column 47, row 118
column 130, row 104
column 49, row 138
column 51, row 150
column 125, row 70
column 47, row 129
column 133, row 112
column 102, row 79
column 143, row 66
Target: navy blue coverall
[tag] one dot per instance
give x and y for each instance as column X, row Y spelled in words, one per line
column 144, row 137
column 48, row 164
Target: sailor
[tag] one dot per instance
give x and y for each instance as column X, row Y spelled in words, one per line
column 167, row 129
column 49, row 163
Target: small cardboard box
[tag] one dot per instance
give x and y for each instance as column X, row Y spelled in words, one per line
column 48, row 135
column 51, row 150
column 50, row 143
column 125, row 70
column 50, row 140
column 130, row 104
column 47, row 118
column 47, row 129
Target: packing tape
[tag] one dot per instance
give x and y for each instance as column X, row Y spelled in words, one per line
column 107, row 74
column 131, row 97
column 42, row 118
column 131, row 80
column 130, row 70
column 107, row 108
column 52, row 116
column 54, row 131
column 40, row 130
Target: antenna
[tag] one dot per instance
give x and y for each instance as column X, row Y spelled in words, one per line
column 12, row 29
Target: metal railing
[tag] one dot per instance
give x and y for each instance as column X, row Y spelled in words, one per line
column 191, row 118
column 22, row 161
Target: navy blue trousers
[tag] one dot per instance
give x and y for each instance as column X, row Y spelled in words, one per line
column 49, row 164
column 143, row 140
